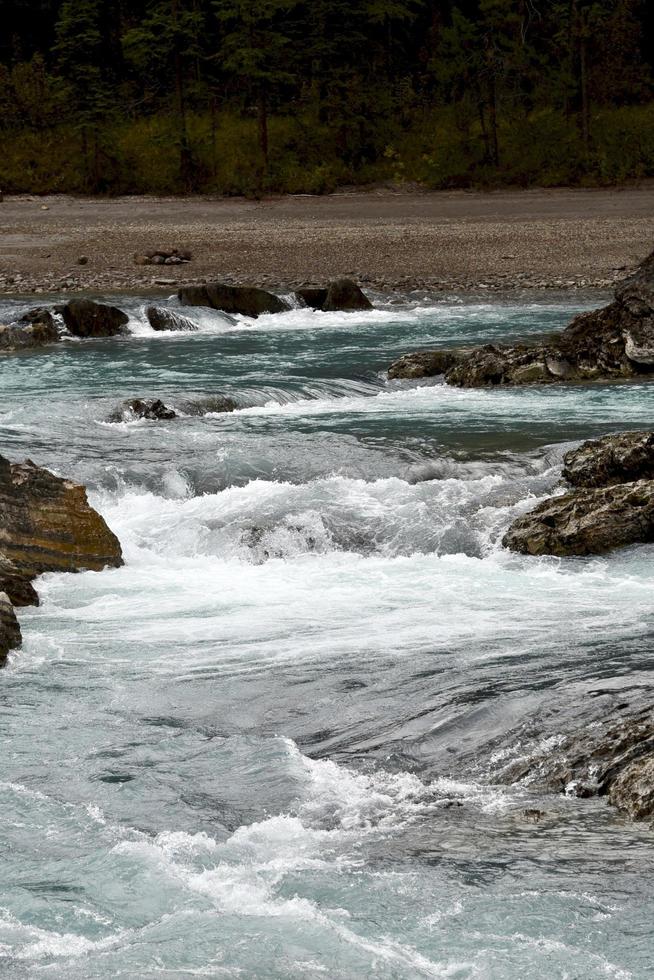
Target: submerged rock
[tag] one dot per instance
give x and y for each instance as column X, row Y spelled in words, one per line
column 612, row 459
column 47, row 524
column 616, row 341
column 163, row 319
column 10, row 635
column 84, row 318
column 210, row 405
column 152, row 409
column 586, row 522
column 244, row 300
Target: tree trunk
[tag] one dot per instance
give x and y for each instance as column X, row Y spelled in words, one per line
column 185, row 156
column 263, row 127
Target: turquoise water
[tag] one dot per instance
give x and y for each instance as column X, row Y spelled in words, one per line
column 270, row 746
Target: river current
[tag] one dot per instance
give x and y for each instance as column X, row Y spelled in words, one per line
column 271, row 745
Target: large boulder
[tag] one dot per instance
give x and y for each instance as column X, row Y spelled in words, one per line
column 244, row 300
column 47, row 524
column 339, row 295
column 10, row 636
column 84, row 318
column 586, row 522
column 160, row 319
column 612, row 459
column 344, row 294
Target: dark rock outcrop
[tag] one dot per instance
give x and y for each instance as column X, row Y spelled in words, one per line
column 313, row 296
column 84, row 318
column 47, row 524
column 611, row 506
column 620, row 458
column 152, row 409
column 16, row 584
column 341, row 294
column 344, row 294
column 10, row 636
column 163, row 319
column 586, row 522
column 423, row 365
column 244, row 300
column 612, row 758
column 616, row 341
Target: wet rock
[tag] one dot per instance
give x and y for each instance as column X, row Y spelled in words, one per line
column 424, row 364
column 621, row 458
column 84, row 318
column 10, row 635
column 586, row 522
column 312, row 296
column 152, row 409
column 18, row 587
column 633, row 789
column 616, row 341
column 47, row 524
column 611, row 757
column 164, row 319
column 28, row 334
column 344, row 294
column 245, row 300
column 212, row 404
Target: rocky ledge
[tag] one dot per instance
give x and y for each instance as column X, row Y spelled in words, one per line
column 46, row 525
column 616, row 341
column 611, row 758
column 611, row 504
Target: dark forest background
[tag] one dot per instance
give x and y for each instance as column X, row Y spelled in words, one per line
column 252, row 96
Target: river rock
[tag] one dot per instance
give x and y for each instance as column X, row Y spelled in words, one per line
column 586, row 522
column 10, row 636
column 152, row 409
column 612, row 459
column 209, row 405
column 616, row 341
column 47, row 524
column 85, row 318
column 245, row 300
column 19, row 336
column 312, row 296
column 423, row 364
column 344, row 294
column 611, row 757
column 164, row 319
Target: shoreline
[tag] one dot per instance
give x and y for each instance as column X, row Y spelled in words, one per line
column 434, row 242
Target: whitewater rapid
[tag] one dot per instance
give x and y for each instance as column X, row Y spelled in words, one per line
column 271, row 744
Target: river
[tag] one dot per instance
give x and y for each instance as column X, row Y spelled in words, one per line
column 271, row 745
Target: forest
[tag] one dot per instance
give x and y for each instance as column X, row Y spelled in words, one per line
column 273, row 96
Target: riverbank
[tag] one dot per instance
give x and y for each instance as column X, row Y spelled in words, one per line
column 440, row 241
